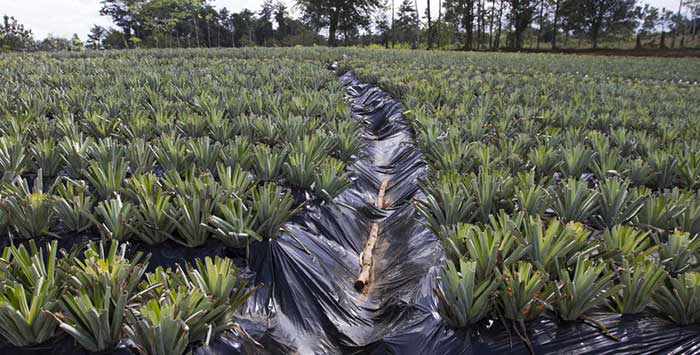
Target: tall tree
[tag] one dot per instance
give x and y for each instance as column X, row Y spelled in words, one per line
column 96, row 35
column 14, row 36
column 596, row 17
column 243, row 23
column 332, row 14
column 407, row 22
column 123, row 13
column 522, row 12
column 430, row 25
column 555, row 25
column 381, row 22
column 280, row 12
column 461, row 13
column 678, row 23
column 648, row 18
column 263, row 29
column 497, row 41
column 665, row 21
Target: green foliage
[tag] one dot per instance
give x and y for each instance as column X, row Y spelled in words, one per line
column 590, row 286
column 272, row 208
column 679, row 298
column 233, row 224
column 107, row 176
column 330, row 179
column 659, row 211
column 268, row 162
column 530, row 196
column 626, row 242
column 640, row 282
column 73, row 205
column 492, row 190
column 158, row 329
column 574, row 201
column 235, row 181
column 153, row 205
column 447, row 202
column 29, row 293
column 115, row 219
column 171, row 153
column 300, row 170
column 14, row 159
column 238, row 153
column 488, row 247
column 556, row 243
column 47, row 157
column 195, row 200
column 101, row 286
column 616, row 205
column 29, row 210
column 462, row 299
column 523, row 292
column 676, row 253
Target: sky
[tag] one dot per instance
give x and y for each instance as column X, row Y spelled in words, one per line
column 65, row 17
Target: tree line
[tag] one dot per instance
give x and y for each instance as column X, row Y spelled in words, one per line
column 467, row 24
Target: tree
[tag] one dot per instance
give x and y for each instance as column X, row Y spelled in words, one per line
column 14, row 36
column 263, row 27
column 555, row 27
column 665, row 21
column 648, row 17
column 381, row 22
column 596, row 17
column 280, row 12
column 243, row 23
column 122, row 13
column 76, row 43
column 407, row 23
column 430, row 25
column 522, row 13
column 332, row 14
column 53, row 43
column 114, row 39
column 95, row 37
column 461, row 13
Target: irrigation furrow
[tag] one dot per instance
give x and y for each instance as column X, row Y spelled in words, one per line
column 308, row 302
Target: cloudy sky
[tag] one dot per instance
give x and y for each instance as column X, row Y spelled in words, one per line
column 65, row 17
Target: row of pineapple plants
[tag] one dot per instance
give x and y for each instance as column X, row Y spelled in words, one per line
column 100, row 297
column 112, row 194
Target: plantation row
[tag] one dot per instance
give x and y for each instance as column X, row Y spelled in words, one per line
column 99, row 296
column 551, row 189
column 172, row 148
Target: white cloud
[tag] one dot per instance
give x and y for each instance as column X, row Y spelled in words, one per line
column 65, row 17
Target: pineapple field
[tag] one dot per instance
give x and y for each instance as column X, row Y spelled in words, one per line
column 348, row 201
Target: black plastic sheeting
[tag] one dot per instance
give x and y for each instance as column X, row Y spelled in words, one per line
column 307, row 304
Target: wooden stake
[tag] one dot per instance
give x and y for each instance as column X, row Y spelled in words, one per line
column 367, row 255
